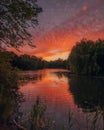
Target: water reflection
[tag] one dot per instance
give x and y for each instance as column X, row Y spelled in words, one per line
column 61, row 92
column 54, row 94
column 88, row 92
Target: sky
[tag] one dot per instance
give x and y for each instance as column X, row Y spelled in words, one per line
column 63, row 23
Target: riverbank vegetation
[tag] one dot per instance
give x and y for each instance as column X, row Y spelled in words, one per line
column 10, row 97
column 16, row 17
column 26, row 62
column 87, row 58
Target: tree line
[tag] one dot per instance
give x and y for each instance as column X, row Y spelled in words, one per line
column 26, row 62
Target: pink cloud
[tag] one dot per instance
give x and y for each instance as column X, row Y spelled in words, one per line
column 85, row 8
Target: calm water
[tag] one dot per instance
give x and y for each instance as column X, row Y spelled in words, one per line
column 61, row 92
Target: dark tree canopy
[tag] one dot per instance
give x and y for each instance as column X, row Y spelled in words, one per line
column 26, row 62
column 59, row 63
column 16, row 16
column 87, row 57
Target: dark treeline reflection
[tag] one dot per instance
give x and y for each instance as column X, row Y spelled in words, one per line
column 88, row 93
column 29, row 76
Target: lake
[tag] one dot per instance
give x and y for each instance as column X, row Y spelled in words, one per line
column 61, row 93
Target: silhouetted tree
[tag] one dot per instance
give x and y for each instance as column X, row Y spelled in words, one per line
column 87, row 57
column 23, row 62
column 59, row 63
column 16, row 16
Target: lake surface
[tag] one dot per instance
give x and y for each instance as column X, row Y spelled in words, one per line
column 62, row 93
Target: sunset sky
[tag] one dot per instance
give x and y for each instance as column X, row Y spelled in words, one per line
column 64, row 22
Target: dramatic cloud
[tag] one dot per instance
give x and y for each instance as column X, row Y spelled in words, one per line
column 63, row 23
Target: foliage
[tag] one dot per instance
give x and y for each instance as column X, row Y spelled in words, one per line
column 57, row 64
column 16, row 16
column 38, row 115
column 23, row 62
column 8, row 86
column 9, row 95
column 26, row 62
column 87, row 57
column 8, row 76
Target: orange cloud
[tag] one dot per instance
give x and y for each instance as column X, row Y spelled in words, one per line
column 58, row 44
column 60, row 40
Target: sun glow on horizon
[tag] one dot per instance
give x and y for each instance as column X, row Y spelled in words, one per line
column 61, row 55
column 63, row 24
